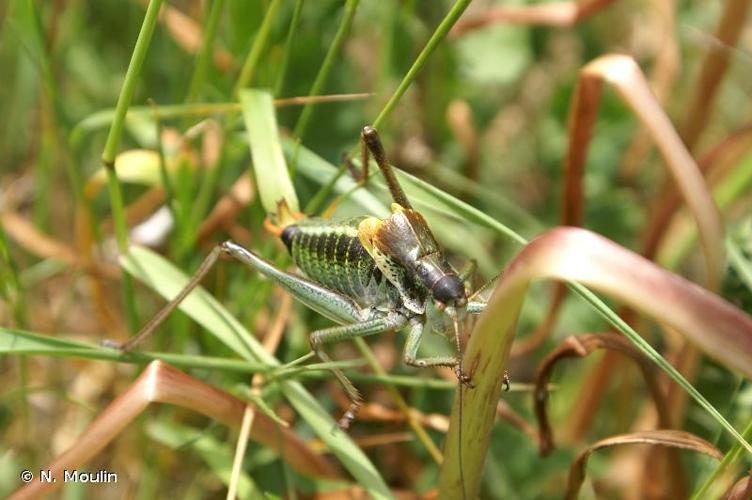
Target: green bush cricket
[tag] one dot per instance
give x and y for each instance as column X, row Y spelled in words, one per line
column 370, row 275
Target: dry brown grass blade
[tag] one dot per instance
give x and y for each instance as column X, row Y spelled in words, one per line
column 581, row 346
column 725, row 153
column 308, row 99
column 627, row 78
column 561, row 14
column 714, row 164
column 713, row 69
column 624, row 74
column 662, row 77
column 162, row 383
column 35, row 242
column 672, row 438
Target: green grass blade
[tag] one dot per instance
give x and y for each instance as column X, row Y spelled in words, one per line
column 441, row 31
column 248, row 71
column 323, row 74
column 22, row 342
column 269, row 165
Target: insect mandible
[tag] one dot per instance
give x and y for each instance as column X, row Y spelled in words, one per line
column 370, row 275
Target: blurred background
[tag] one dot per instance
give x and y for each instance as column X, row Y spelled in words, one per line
column 486, row 121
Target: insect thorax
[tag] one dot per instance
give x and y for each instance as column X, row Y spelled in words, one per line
column 330, row 253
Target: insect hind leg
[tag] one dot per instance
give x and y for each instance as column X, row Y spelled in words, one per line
column 320, row 338
column 150, row 327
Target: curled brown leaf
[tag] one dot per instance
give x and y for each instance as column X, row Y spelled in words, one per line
column 672, row 438
column 581, row 346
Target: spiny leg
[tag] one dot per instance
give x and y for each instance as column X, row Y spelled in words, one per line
column 410, row 353
column 320, row 338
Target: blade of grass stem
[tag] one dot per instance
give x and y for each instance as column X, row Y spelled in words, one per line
column 326, row 66
column 270, row 169
column 205, row 52
column 282, row 75
column 248, row 71
column 111, row 146
column 730, row 458
column 438, row 35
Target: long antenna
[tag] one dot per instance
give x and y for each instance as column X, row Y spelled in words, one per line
column 371, row 138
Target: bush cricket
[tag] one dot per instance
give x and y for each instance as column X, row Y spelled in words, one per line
column 370, row 275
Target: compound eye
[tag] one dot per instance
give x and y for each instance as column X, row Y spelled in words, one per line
column 450, row 290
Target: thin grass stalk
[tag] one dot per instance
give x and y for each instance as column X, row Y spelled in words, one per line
column 248, row 71
column 271, row 343
column 438, row 35
column 326, row 66
column 730, row 458
column 623, row 73
column 282, row 75
column 101, row 119
column 111, row 146
column 205, row 52
column 245, row 78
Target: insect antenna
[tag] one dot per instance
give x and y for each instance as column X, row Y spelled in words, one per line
column 371, row 139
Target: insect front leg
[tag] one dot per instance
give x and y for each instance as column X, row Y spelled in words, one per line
column 320, row 338
column 476, row 305
column 410, row 353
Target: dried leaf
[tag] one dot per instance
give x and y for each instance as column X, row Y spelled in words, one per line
column 676, row 439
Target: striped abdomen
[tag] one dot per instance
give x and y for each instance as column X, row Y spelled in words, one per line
column 331, row 254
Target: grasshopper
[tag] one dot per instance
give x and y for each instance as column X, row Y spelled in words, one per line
column 370, row 275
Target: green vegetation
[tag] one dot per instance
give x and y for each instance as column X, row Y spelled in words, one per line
column 123, row 129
